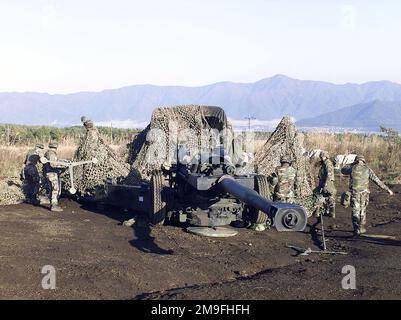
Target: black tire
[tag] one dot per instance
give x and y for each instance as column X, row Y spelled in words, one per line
column 157, row 212
column 262, row 187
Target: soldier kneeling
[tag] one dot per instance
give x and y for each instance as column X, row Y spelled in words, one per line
column 31, row 174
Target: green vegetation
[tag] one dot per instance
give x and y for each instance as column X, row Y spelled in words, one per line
column 28, row 135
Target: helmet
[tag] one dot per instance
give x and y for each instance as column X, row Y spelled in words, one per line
column 324, row 154
column 53, row 144
column 88, row 124
column 285, row 159
column 39, row 146
column 360, row 158
column 83, row 119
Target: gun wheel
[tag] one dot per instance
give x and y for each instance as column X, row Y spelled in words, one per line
column 262, row 187
column 157, row 213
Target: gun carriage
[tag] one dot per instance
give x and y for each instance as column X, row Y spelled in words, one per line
column 207, row 190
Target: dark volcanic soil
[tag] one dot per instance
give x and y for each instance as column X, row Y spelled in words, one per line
column 96, row 257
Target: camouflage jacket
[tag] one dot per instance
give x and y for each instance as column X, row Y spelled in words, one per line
column 32, row 158
column 326, row 175
column 51, row 155
column 284, row 181
column 360, row 174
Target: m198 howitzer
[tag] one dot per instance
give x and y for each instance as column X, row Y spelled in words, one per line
column 212, row 194
column 204, row 189
column 67, row 164
column 207, row 194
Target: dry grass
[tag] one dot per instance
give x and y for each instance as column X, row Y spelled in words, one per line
column 11, row 160
column 12, row 157
column 381, row 154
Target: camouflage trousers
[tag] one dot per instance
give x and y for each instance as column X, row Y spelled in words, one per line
column 54, row 183
column 329, row 202
column 326, row 197
column 32, row 183
column 359, row 204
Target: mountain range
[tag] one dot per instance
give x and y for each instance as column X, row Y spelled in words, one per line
column 364, row 116
column 267, row 99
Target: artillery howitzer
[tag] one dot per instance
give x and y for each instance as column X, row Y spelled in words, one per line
column 207, row 195
column 206, row 191
column 67, row 164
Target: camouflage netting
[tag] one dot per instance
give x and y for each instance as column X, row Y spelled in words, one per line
column 286, row 141
column 89, row 177
column 11, row 191
column 194, row 117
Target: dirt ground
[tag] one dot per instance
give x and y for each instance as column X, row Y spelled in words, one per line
column 96, row 257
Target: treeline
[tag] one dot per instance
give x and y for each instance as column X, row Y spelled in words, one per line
column 11, row 134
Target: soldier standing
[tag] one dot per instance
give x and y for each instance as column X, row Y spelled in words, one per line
column 360, row 174
column 31, row 174
column 284, row 181
column 52, row 172
column 326, row 185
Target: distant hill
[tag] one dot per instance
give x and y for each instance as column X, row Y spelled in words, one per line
column 267, row 99
column 366, row 116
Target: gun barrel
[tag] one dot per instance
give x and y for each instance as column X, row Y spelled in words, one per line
column 285, row 216
column 250, row 197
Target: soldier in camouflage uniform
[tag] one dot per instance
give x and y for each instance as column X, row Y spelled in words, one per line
column 52, row 172
column 360, row 174
column 326, row 187
column 31, row 174
column 283, row 181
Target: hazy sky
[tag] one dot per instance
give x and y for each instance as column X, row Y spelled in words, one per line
column 67, row 46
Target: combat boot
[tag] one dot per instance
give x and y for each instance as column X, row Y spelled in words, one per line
column 44, row 200
column 258, row 227
column 56, row 208
column 357, row 233
column 362, row 229
column 332, row 213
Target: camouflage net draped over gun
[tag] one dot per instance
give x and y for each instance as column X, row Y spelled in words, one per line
column 286, row 141
column 194, row 117
column 89, row 178
column 11, row 191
